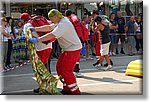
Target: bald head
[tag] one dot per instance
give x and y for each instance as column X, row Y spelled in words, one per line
column 132, row 18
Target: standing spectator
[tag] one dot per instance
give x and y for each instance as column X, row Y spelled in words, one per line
column 18, row 28
column 130, row 29
column 86, row 34
column 113, row 31
column 121, row 32
column 139, row 34
column 96, row 38
column 105, row 40
column 91, row 42
column 19, row 43
column 7, row 41
column 71, row 46
column 5, row 36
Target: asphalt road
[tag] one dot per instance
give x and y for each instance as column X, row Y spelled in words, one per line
column 95, row 82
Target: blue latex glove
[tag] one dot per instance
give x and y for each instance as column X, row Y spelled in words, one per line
column 34, row 40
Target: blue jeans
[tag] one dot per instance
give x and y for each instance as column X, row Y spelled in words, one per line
column 113, row 39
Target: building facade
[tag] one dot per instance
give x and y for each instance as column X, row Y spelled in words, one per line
column 14, row 9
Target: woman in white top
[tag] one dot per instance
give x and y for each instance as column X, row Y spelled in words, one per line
column 7, row 42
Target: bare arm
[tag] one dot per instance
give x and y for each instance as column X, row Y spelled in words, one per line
column 135, row 26
column 126, row 29
column 45, row 28
column 97, row 28
column 114, row 27
column 46, row 37
column 5, row 34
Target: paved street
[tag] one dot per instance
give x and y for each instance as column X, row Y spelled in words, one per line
column 22, row 81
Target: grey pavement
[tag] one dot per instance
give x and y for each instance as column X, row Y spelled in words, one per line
column 21, row 81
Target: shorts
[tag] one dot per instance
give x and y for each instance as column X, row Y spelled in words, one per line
column 113, row 39
column 104, row 49
column 121, row 36
column 131, row 40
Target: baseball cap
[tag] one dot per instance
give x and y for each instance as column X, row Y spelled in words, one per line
column 25, row 16
column 55, row 12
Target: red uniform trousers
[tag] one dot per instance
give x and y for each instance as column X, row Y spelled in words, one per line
column 44, row 55
column 65, row 66
column 97, row 49
column 96, row 40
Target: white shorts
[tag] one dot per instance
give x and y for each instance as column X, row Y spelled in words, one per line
column 104, row 49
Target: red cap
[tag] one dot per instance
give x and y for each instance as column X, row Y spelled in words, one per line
column 25, row 16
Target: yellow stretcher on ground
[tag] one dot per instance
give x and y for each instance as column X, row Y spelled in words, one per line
column 135, row 68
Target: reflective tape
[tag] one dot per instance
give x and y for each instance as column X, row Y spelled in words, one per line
column 77, row 62
column 74, row 89
column 72, row 85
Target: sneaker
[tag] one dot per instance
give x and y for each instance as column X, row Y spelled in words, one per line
column 95, row 64
column 109, row 68
column 110, row 53
column 122, row 52
column 5, row 68
column 78, row 74
column 111, row 62
column 10, row 66
column 113, row 53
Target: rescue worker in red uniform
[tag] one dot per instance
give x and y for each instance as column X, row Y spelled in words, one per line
column 86, row 36
column 96, row 39
column 71, row 48
column 82, row 34
column 42, row 50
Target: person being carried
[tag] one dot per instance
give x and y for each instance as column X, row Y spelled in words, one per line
column 42, row 50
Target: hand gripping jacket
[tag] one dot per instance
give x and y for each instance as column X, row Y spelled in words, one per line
column 37, row 21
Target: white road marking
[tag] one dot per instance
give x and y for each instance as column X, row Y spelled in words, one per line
column 82, row 85
column 54, row 73
column 19, row 91
column 103, row 83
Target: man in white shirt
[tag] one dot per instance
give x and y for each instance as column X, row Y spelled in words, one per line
column 71, row 46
